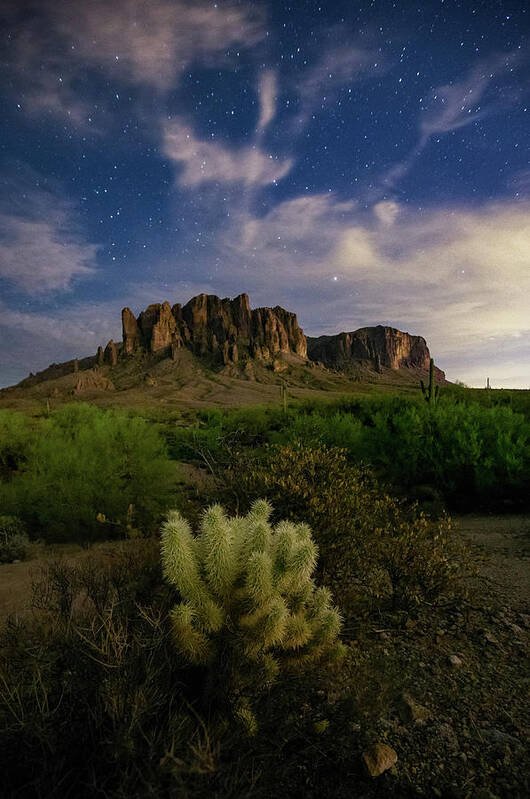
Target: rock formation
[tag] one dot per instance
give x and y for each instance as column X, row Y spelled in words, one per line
column 110, row 355
column 227, row 332
column 92, row 380
column 377, row 346
column 131, row 332
column 208, row 325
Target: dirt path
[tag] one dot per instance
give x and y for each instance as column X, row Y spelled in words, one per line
column 501, row 545
column 16, row 578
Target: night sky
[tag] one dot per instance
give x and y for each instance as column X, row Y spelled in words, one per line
column 359, row 163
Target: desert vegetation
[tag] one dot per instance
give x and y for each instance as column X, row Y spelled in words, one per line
column 285, row 584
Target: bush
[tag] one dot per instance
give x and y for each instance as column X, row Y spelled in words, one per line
column 15, row 438
column 249, row 606
column 13, row 539
column 475, row 456
column 373, row 548
column 88, row 686
column 91, row 473
column 95, row 700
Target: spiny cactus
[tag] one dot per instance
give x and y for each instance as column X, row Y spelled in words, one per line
column 431, row 391
column 249, row 605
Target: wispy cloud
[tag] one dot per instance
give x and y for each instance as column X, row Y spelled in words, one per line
column 210, row 161
column 340, row 65
column 267, row 93
column 144, row 44
column 458, row 276
column 42, row 246
column 484, row 91
column 152, row 43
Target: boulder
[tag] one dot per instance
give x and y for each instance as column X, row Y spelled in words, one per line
column 379, row 758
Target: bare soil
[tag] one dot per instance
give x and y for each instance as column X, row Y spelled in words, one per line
column 464, row 663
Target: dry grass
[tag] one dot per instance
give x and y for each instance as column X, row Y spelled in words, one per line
column 148, row 383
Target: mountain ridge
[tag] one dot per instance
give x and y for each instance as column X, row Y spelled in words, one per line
column 227, row 336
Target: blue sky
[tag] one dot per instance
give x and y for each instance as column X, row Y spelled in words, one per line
column 358, row 163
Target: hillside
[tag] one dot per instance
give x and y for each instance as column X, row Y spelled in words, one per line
column 214, row 351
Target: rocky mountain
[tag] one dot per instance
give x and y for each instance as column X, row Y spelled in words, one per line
column 227, row 332
column 208, row 325
column 379, row 346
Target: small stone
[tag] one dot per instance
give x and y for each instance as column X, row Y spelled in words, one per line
column 498, row 737
column 455, row 661
column 490, row 638
column 448, row 735
column 411, row 711
column 379, row 758
column 514, row 628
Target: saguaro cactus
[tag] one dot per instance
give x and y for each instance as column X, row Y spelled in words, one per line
column 431, row 391
column 249, row 605
column 283, row 395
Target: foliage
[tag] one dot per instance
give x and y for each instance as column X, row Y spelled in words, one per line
column 84, row 470
column 373, row 548
column 249, row 606
column 89, row 684
column 13, row 539
column 15, row 437
column 476, row 456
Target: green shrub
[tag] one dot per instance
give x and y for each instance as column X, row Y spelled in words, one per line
column 13, row 539
column 249, row 606
column 89, row 687
column 15, row 438
column 91, row 473
column 475, row 456
column 373, row 548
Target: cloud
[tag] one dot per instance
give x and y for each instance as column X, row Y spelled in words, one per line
column 151, row 43
column 42, row 248
column 456, row 105
column 209, row 161
column 144, row 44
column 460, row 103
column 386, row 212
column 458, row 276
column 267, row 92
column 338, row 66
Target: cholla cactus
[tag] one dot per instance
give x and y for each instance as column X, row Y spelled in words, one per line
column 249, row 605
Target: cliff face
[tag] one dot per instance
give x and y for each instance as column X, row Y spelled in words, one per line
column 229, row 331
column 210, row 325
column 380, row 346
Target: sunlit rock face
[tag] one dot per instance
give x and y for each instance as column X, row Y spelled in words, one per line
column 380, row 346
column 131, row 331
column 210, row 325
